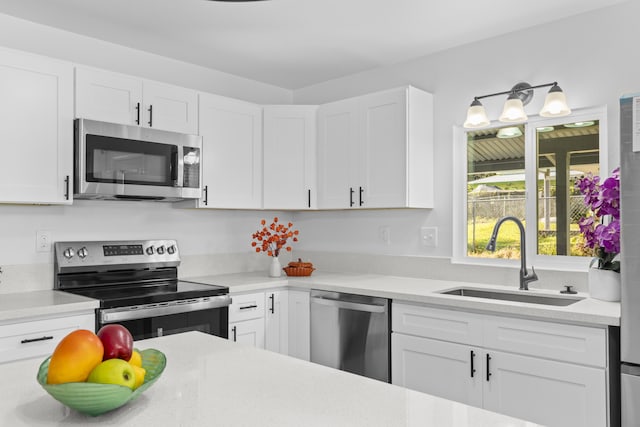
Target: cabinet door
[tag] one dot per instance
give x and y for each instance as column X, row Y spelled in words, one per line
column 170, row 108
column 545, row 392
column 36, row 106
column 108, row 97
column 337, row 151
column 231, row 133
column 443, row 369
column 289, row 144
column 277, row 321
column 249, row 332
column 299, row 325
column 382, row 150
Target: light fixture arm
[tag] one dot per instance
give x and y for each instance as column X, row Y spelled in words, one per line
column 519, row 88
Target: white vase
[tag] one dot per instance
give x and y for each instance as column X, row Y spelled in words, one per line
column 604, row 284
column 275, row 269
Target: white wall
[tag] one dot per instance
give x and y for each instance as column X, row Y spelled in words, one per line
column 592, row 56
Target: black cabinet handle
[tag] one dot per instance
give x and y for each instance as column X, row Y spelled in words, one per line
column 309, row 198
column 206, row 195
column 272, row 309
column 234, row 333
column 66, row 186
column 488, row 370
column 361, row 200
column 28, row 340
column 150, row 116
column 248, row 306
column 473, row 356
column 351, row 196
column 138, row 113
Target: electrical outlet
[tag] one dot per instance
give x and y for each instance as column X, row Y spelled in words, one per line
column 429, row 236
column 43, row 241
column 384, row 232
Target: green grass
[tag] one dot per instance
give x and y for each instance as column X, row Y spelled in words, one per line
column 508, row 241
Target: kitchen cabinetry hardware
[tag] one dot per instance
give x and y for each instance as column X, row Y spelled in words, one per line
column 309, row 198
column 234, row 329
column 247, row 307
column 361, row 191
column 150, row 116
column 28, row 340
column 272, row 309
column 472, row 357
column 488, row 371
column 66, row 187
column 206, row 195
column 351, row 196
column 138, row 113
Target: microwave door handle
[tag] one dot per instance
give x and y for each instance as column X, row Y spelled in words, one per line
column 177, row 171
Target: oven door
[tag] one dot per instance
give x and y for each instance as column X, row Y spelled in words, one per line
column 209, row 315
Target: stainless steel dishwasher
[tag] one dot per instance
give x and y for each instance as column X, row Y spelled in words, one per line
column 351, row 333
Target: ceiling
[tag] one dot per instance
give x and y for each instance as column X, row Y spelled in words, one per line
column 295, row 43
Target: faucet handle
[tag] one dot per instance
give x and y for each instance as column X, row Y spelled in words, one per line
column 533, row 275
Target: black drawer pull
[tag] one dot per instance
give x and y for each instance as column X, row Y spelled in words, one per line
column 150, row 116
column 138, row 113
column 248, row 306
column 66, row 187
column 28, row 340
column 234, row 333
column 488, row 370
column 473, row 356
column 361, row 192
column 351, row 191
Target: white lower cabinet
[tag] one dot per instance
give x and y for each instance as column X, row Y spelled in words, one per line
column 512, row 366
column 246, row 319
column 277, row 321
column 299, row 325
column 39, row 337
column 250, row 332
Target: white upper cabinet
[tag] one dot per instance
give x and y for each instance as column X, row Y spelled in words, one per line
column 376, row 151
column 36, row 110
column 289, row 168
column 117, row 98
column 231, row 133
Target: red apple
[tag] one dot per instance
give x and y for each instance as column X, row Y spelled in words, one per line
column 117, row 342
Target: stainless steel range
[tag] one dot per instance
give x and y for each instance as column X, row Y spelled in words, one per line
column 137, row 284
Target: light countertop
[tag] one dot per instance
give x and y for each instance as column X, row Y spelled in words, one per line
column 588, row 311
column 211, row 381
column 32, row 304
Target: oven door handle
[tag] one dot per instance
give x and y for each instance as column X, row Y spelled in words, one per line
column 119, row 314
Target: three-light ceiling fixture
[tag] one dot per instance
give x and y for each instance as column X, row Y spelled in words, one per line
column 555, row 105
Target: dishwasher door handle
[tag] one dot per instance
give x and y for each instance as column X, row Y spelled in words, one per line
column 357, row 306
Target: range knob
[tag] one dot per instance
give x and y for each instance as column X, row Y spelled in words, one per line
column 68, row 253
column 160, row 250
column 171, row 250
column 83, row 252
column 149, row 250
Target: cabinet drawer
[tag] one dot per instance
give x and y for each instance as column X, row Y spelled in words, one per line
column 247, row 306
column 447, row 325
column 571, row 343
column 39, row 338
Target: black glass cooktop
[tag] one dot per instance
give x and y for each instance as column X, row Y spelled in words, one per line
column 148, row 293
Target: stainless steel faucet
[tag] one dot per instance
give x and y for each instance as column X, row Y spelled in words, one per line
column 525, row 277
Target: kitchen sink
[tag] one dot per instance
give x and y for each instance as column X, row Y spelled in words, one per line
column 521, row 296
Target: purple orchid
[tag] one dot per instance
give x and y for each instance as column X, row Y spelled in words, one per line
column 603, row 199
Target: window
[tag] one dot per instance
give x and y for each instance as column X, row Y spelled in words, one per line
column 526, row 171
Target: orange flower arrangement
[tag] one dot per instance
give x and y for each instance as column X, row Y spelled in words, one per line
column 271, row 239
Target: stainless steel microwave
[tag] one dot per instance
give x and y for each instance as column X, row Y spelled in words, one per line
column 122, row 162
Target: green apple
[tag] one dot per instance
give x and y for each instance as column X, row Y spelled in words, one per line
column 113, row 371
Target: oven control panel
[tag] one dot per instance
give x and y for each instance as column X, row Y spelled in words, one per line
column 115, row 253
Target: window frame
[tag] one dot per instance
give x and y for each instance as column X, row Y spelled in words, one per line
column 549, row 262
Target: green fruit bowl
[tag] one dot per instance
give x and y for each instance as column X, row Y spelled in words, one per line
column 95, row 399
